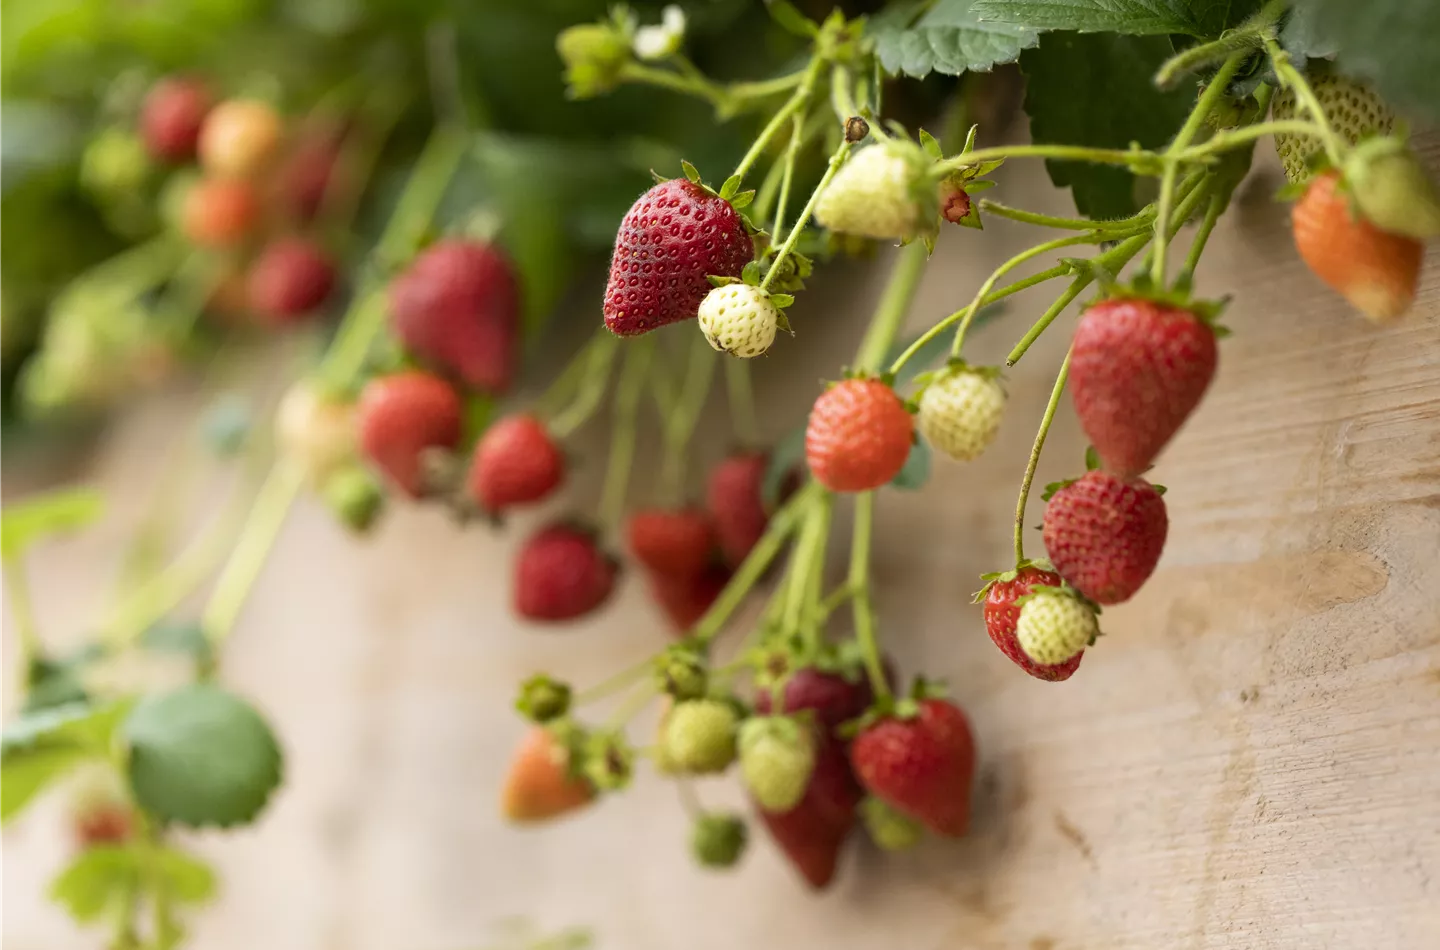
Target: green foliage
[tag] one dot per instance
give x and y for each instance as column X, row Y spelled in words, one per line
column 41, row 746
column 1388, row 42
column 201, row 756
column 101, row 878
column 916, row 471
column 1134, row 17
column 24, row 523
column 950, row 38
column 1095, row 90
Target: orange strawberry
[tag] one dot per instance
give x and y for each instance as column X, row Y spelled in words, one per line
column 1373, row 269
column 540, row 784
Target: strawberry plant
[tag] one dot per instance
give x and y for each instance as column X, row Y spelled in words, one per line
column 1147, row 113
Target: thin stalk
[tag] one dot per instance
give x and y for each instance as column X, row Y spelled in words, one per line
column 567, row 385
column 860, row 586
column 793, row 107
column 836, row 160
column 1218, row 202
column 1223, row 141
column 805, row 563
column 22, row 611
column 629, row 706
column 1035, row 451
column 613, row 684
column 622, row 439
column 812, row 624
column 1065, row 224
column 787, row 177
column 894, row 304
column 592, row 388
column 741, row 398
column 684, row 413
column 1076, row 153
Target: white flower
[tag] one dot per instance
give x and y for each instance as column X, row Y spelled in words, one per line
column 658, row 42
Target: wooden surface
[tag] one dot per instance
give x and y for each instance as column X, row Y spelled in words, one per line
column 1249, row 759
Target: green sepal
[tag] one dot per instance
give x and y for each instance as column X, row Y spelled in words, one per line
column 751, row 275
column 931, row 146
column 1064, row 589
column 691, row 172
column 609, row 760
column 659, row 178
column 1092, row 458
column 970, row 139
column 730, row 187
column 979, row 184
column 1141, row 288
column 1053, row 487
column 743, row 199
column 998, row 577
column 718, row 280
column 781, row 301
column 1159, row 489
column 543, row 698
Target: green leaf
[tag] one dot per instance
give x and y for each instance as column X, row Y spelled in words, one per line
column 201, row 756
column 786, row 458
column 931, row 145
column 188, row 879
column 791, row 19
column 28, row 521
column 916, row 471
column 951, row 39
column 1096, row 90
column 1391, row 43
column 41, row 746
column 1135, row 17
column 98, row 878
column 171, row 637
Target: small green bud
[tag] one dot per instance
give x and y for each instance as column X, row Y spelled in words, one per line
column 718, row 841
column 594, row 55
column 355, row 497
column 609, row 761
column 115, row 163
column 1392, row 190
column 680, row 671
column 888, row 828
column 543, row 698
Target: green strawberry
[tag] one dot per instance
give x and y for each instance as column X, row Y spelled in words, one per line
column 1389, row 184
column 960, row 412
column 1055, row 624
column 1353, row 109
column 888, row 828
column 699, row 736
column 717, row 840
column 777, row 756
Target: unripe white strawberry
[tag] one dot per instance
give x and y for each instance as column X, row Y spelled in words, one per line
column 882, row 192
column 1353, row 109
column 315, row 430
column 777, row 755
column 739, row 319
column 1054, row 625
column 960, row 412
column 699, row 736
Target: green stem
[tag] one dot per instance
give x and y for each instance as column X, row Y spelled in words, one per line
column 1291, row 77
column 567, row 385
column 1218, row 203
column 812, row 623
column 622, row 439
column 613, row 684
column 836, row 160
column 894, row 304
column 787, row 178
column 22, row 612
column 684, row 414
column 1035, row 451
column 859, row 584
column 792, row 108
column 741, row 397
column 769, row 189
column 833, row 601
column 1223, row 141
column 764, row 88
column 1067, row 224
column 753, row 567
column 1244, row 39
column 629, row 706
column 1076, row 153
column 1212, row 94
column 807, row 563
column 592, row 387
column 665, row 79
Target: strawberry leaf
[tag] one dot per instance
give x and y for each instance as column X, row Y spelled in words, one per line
column 41, row 746
column 950, row 38
column 57, row 512
column 791, row 19
column 1389, row 42
column 1134, row 17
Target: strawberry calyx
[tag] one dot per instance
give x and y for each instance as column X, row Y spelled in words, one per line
column 609, row 760
column 682, row 671
column 573, row 739
column 1141, row 288
column 543, row 698
column 1005, row 577
column 894, row 707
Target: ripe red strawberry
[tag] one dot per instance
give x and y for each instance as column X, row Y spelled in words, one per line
column 561, row 574
column 171, row 116
column 735, row 498
column 402, row 415
column 515, row 463
column 291, row 278
column 672, row 238
column 685, row 599
column 1105, row 534
column 1373, row 269
column 304, row 177
column 671, row 542
column 859, row 436
column 1137, row 369
column 219, row 212
column 458, row 307
column 1001, row 615
column 920, row 766
column 813, row 832
column 540, row 784
column 833, row 698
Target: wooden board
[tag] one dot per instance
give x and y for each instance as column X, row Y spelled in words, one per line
column 1249, row 759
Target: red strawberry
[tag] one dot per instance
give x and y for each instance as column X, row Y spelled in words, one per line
column 291, row 278
column 833, row 698
column 921, row 766
column 671, row 542
column 1105, row 534
column 812, row 833
column 1001, row 614
column 458, row 306
column 304, row 177
column 685, row 599
column 105, row 823
column 561, row 574
column 672, row 238
column 859, row 436
column 171, row 117
column 515, row 463
column 1373, row 269
column 219, row 212
column 1138, row 368
column 402, row 415
column 735, row 499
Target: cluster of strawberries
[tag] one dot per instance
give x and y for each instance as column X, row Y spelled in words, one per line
column 256, row 197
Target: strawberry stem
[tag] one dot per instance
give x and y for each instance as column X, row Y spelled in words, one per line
column 568, row 384
column 1067, row 224
column 1223, row 141
column 592, row 388
column 741, row 398
column 1035, row 451
column 614, row 683
column 859, row 584
column 1293, row 79
column 22, row 612
column 894, row 304
column 807, row 568
column 680, row 415
column 1218, row 203
column 795, row 107
column 622, row 438
column 836, row 160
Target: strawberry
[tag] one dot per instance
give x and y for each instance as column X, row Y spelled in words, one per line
column 1392, row 190
column 672, row 238
column 686, row 599
column 355, row 497
column 777, row 757
column 561, row 573
column 858, row 436
column 171, row 117
column 219, row 213
column 104, row 823
column 1055, row 625
column 739, row 319
column 671, row 542
column 832, row 697
column 515, row 463
column 813, row 832
column 889, row 829
column 458, row 307
column 1138, row 368
column 402, row 415
column 315, row 431
column 960, row 412
column 540, row 784
column 920, row 765
column 1002, row 614
column 239, row 138
column 734, row 496
column 1373, row 269
column 718, row 841
column 882, row 192
column 699, row 736
column 1105, row 534
column 305, row 175
column 291, row 278
column 1353, row 109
